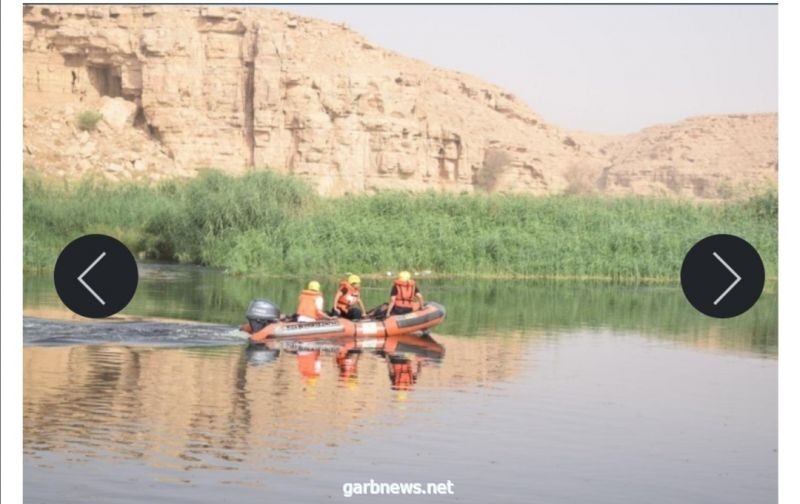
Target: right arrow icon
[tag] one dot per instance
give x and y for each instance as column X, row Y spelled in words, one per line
column 732, row 285
column 722, row 292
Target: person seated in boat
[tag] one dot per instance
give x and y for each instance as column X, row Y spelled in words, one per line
column 347, row 302
column 310, row 304
column 405, row 297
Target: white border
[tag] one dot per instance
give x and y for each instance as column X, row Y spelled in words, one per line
column 11, row 254
column 789, row 252
column 11, row 290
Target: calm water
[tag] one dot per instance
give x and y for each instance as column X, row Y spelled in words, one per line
column 528, row 392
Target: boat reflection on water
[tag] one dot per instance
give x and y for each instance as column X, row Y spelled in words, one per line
column 405, row 356
column 230, row 407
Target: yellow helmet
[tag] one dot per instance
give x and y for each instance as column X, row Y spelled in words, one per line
column 353, row 279
column 313, row 285
column 404, row 275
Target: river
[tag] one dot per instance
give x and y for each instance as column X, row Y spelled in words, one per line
column 528, row 392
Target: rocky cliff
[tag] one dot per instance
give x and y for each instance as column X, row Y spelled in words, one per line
column 186, row 88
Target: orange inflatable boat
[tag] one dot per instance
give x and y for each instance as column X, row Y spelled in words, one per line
column 265, row 324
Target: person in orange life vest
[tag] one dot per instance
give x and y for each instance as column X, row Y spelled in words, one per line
column 310, row 304
column 405, row 296
column 347, row 302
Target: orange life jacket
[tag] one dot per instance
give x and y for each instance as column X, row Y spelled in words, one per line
column 349, row 297
column 406, row 296
column 307, row 304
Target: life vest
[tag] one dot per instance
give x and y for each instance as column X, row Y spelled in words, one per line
column 349, row 296
column 406, row 296
column 307, row 304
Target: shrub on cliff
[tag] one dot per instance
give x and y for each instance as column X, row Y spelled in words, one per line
column 88, row 119
column 494, row 163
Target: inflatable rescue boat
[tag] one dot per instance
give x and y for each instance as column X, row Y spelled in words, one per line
column 265, row 324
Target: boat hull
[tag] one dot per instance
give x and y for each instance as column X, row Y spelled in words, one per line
column 396, row 325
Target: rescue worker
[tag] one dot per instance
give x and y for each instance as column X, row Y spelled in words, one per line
column 347, row 302
column 310, row 304
column 405, row 297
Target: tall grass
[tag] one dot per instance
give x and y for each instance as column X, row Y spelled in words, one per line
column 267, row 223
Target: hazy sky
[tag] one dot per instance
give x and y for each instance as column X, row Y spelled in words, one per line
column 597, row 68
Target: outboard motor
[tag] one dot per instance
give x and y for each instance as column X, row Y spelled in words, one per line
column 261, row 313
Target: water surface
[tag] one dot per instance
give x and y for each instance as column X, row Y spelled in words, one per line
column 544, row 393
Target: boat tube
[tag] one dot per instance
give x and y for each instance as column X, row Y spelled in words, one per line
column 266, row 326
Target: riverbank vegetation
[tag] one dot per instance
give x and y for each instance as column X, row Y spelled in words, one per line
column 264, row 223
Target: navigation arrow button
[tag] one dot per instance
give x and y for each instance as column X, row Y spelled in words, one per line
column 105, row 286
column 708, row 287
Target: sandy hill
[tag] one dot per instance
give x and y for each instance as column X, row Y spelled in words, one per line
column 186, row 88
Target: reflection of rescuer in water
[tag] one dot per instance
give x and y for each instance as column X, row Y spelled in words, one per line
column 347, row 362
column 403, row 371
column 309, row 364
column 405, row 356
column 405, row 296
column 347, row 302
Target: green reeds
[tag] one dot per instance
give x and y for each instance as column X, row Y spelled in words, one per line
column 264, row 223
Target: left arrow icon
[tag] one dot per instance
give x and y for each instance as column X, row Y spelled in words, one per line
column 87, row 270
column 99, row 265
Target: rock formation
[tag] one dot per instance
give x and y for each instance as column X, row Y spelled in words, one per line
column 186, row 88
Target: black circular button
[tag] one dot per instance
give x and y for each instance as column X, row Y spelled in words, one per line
column 96, row 276
column 722, row 276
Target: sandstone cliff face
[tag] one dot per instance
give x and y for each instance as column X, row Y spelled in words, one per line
column 703, row 157
column 183, row 89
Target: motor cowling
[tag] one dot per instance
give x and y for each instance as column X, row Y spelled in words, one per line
column 261, row 313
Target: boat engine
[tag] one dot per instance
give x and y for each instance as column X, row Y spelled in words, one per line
column 261, row 313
